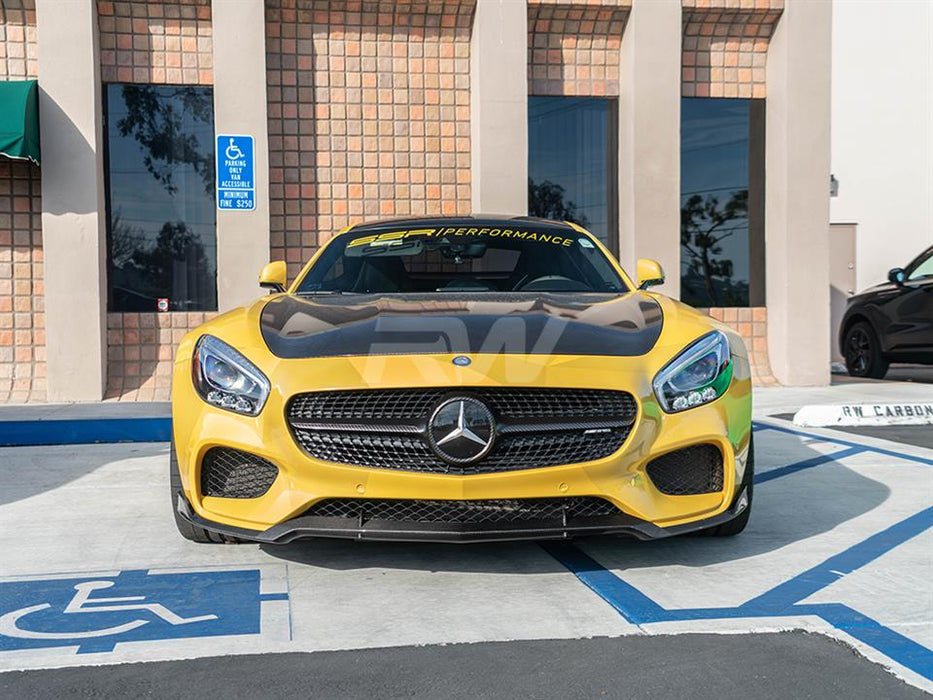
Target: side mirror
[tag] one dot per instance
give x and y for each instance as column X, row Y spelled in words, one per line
column 650, row 273
column 274, row 276
column 897, row 276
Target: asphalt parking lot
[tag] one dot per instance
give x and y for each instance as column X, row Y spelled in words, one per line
column 94, row 579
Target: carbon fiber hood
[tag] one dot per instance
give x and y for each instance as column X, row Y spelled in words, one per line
column 560, row 324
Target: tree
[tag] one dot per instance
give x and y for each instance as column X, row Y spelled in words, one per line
column 175, row 243
column 156, row 119
column 546, row 200
column 703, row 227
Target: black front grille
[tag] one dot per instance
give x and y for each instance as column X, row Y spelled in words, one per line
column 230, row 473
column 386, row 428
column 412, row 404
column 692, row 470
column 362, row 510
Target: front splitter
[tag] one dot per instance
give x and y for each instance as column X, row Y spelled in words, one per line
column 304, row 526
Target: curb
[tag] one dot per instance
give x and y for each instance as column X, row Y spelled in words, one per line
column 30, row 433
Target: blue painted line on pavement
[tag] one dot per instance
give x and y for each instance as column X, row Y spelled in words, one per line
column 628, row 601
column 84, row 431
column 778, row 472
column 895, row 646
column 757, row 426
column 828, row 572
column 781, row 601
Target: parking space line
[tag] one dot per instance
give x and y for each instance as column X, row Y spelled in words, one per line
column 778, row 472
column 784, row 599
column 759, row 426
column 781, row 601
column 822, row 575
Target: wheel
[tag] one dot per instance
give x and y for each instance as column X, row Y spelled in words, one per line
column 863, row 352
column 186, row 529
column 738, row 523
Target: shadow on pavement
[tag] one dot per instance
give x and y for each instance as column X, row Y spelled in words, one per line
column 918, row 374
column 30, row 471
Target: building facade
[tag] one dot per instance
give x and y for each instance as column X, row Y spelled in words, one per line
column 695, row 132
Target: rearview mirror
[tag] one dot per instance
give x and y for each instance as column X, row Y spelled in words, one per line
column 897, row 276
column 650, row 273
column 273, row 276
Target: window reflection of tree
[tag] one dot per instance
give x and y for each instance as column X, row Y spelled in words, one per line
column 155, row 118
column 547, row 200
column 176, row 262
column 704, row 224
column 164, row 121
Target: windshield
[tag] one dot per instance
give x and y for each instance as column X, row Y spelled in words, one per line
column 446, row 259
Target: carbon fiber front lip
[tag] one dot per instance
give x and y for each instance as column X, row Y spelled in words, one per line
column 346, row 528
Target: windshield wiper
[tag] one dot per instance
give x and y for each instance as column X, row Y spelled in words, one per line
column 319, row 292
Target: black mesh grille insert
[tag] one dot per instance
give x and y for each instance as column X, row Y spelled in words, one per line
column 230, row 473
column 412, row 453
column 692, row 470
column 385, row 428
column 463, row 512
column 510, row 402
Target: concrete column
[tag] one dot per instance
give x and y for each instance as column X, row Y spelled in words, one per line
column 797, row 153
column 73, row 227
column 240, row 108
column 499, row 107
column 649, row 138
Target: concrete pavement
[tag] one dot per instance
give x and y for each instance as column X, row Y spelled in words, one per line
column 839, row 543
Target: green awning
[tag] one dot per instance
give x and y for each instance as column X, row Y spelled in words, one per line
column 19, row 119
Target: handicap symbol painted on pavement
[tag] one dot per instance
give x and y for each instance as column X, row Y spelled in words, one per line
column 96, row 613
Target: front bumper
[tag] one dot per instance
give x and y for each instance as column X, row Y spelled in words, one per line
column 302, row 481
column 305, row 526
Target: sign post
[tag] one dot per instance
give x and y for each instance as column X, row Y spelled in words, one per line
column 236, row 183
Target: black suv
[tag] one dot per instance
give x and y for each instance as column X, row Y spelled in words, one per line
column 891, row 322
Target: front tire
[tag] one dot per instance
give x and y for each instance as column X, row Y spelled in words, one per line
column 186, row 529
column 738, row 523
column 863, row 352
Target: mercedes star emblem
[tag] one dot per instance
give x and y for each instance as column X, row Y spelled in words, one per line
column 461, row 430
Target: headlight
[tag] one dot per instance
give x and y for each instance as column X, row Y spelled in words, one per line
column 698, row 375
column 224, row 378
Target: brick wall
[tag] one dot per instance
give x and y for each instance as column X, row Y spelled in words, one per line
column 19, row 57
column 369, row 115
column 168, row 42
column 725, row 46
column 752, row 325
column 140, row 351
column 573, row 48
column 165, row 42
column 22, row 317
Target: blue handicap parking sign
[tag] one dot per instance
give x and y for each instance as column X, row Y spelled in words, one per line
column 95, row 613
column 236, row 184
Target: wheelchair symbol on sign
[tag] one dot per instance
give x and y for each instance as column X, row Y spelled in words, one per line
column 233, row 152
column 83, row 603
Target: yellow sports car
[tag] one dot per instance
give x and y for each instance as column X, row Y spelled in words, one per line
column 461, row 379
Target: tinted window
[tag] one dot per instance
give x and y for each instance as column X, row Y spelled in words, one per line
column 482, row 259
column 160, row 177
column 572, row 163
column 923, row 270
column 722, row 202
